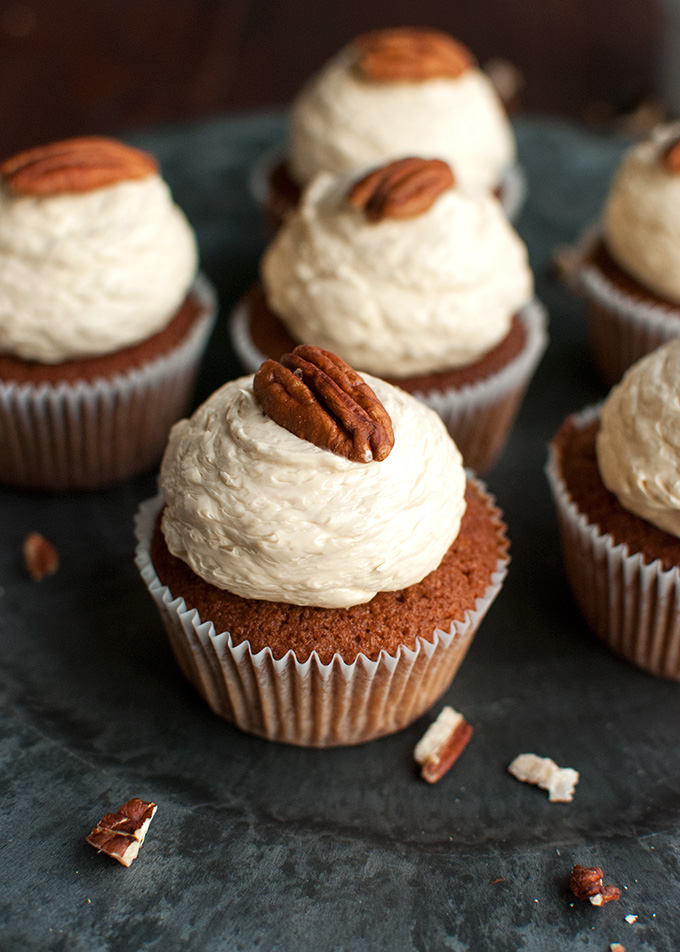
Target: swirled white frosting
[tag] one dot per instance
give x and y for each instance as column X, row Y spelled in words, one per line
column 638, row 445
column 401, row 296
column 343, row 123
column 90, row 273
column 254, row 509
column 642, row 216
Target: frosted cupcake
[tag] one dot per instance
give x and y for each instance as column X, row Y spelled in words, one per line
column 385, row 93
column 320, row 561
column 102, row 317
column 614, row 476
column 407, row 276
column 630, row 271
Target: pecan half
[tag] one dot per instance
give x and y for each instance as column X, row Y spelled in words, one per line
column 401, row 189
column 40, row 557
column 410, row 54
column 670, row 155
column 586, row 883
column 318, row 397
column 120, row 834
column 75, row 165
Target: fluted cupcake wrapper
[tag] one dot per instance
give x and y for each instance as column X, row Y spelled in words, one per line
column 633, row 606
column 478, row 416
column 310, row 704
column 621, row 329
column 512, row 190
column 84, row 435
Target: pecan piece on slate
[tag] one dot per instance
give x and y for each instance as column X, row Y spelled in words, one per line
column 120, row 834
column 40, row 557
column 75, row 165
column 318, row 397
column 410, row 54
column 401, row 189
column 586, row 883
column 442, row 744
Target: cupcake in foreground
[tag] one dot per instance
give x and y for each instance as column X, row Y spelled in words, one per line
column 630, row 269
column 103, row 319
column 406, row 276
column 383, row 94
column 614, row 477
column 319, row 559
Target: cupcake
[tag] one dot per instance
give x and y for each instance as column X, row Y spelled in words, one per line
column 406, row 276
column 103, row 318
column 614, row 476
column 320, row 560
column 630, row 267
column 382, row 94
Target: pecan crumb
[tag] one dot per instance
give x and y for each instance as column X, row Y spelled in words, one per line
column 560, row 782
column 120, row 834
column 40, row 556
column 586, row 883
column 442, row 744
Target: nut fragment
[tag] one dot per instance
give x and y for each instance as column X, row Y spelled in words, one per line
column 670, row 155
column 586, row 883
column 318, row 397
column 401, row 189
column 442, row 744
column 120, row 834
column 74, row 165
column 410, row 54
column 40, row 556
column 560, row 782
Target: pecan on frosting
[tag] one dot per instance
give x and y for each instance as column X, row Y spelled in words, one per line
column 410, row 54
column 402, row 189
column 318, row 397
column 74, row 165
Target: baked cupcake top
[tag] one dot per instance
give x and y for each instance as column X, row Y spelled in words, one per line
column 429, row 283
column 94, row 254
column 642, row 213
column 638, row 444
column 267, row 514
column 394, row 89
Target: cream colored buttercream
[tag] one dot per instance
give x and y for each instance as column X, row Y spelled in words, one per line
column 342, row 123
column 642, row 216
column 401, row 296
column 87, row 274
column 638, row 445
column 254, row 509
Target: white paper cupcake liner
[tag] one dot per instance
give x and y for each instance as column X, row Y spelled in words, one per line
column 84, row 435
column 621, row 329
column 478, row 416
column 633, row 606
column 310, row 704
column 512, row 189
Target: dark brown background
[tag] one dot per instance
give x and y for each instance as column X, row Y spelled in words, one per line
column 81, row 66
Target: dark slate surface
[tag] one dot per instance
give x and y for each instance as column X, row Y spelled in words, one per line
column 259, row 846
